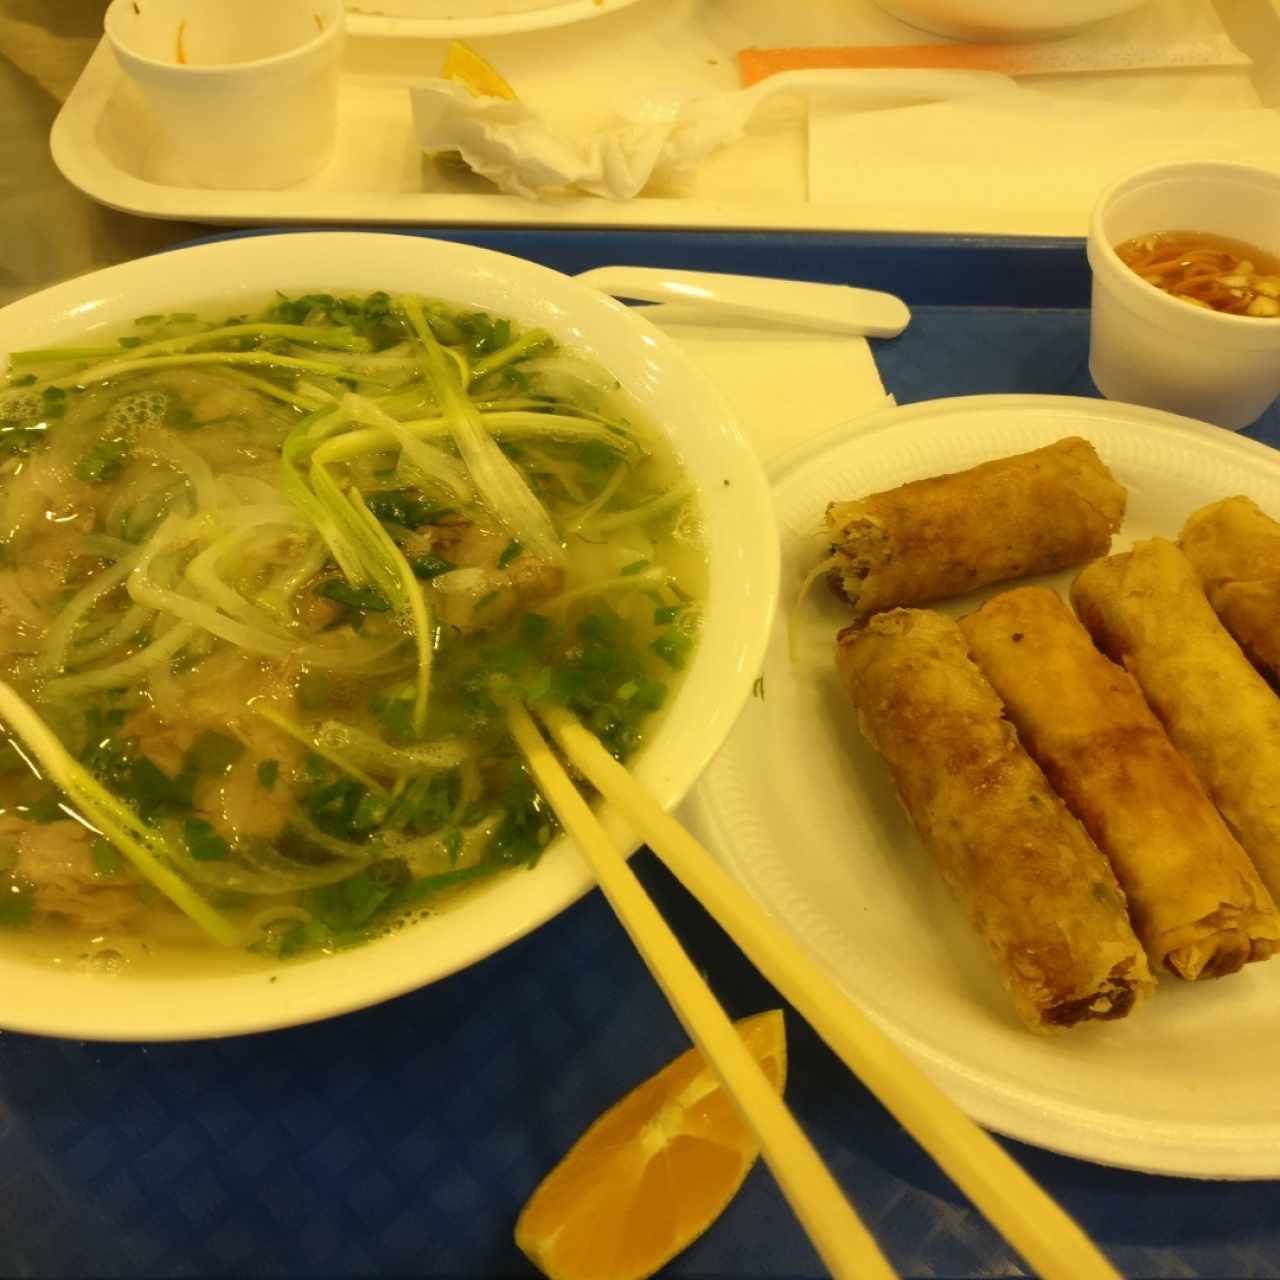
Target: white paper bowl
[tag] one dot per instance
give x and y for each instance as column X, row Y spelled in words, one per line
column 739, row 611
column 1148, row 348
column 1005, row 19
column 253, row 103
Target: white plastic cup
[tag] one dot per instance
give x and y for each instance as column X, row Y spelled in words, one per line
column 245, row 91
column 1148, row 348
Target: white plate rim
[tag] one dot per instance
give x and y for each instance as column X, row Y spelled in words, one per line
column 1243, row 1150
column 558, row 15
column 175, row 1009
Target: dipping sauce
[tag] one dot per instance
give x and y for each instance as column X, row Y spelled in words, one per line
column 1208, row 271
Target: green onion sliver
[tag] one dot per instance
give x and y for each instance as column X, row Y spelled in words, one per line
column 146, row 849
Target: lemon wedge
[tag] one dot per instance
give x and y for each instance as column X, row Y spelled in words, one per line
column 463, row 64
column 652, row 1173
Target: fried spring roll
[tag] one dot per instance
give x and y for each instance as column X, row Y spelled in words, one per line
column 1032, row 882
column 1235, row 548
column 1033, row 513
column 1146, row 610
column 1194, row 897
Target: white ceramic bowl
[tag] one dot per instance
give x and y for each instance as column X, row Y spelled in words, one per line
column 1005, row 19
column 741, row 598
column 1148, row 348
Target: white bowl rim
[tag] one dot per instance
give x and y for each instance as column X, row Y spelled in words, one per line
column 743, row 550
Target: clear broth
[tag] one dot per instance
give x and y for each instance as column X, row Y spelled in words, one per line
column 95, row 470
column 1206, row 270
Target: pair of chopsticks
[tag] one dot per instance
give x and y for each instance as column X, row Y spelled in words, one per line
column 1046, row 1237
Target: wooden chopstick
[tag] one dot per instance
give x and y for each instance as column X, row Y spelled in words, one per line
column 841, row 1239
column 1017, row 1206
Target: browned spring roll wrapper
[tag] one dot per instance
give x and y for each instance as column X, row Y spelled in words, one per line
column 1235, row 548
column 1032, row 513
column 1194, row 897
column 1146, row 609
column 1032, row 882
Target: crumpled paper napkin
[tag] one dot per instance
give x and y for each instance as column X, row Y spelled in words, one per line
column 662, row 133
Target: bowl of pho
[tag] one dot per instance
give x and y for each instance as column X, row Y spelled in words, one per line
column 285, row 523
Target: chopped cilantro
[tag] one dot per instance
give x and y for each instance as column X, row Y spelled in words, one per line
column 104, row 460
column 17, row 901
column 53, row 402
column 48, row 808
column 362, row 599
column 673, row 649
column 509, row 553
column 314, row 689
column 106, row 858
column 405, row 508
column 453, row 844
column 152, row 790
column 204, row 844
column 212, row 752
column 352, row 903
column 429, row 567
column 268, row 772
column 595, row 455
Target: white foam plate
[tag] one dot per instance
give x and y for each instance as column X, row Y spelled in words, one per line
column 803, row 811
column 453, row 19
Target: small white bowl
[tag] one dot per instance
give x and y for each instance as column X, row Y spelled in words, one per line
column 743, row 584
column 1005, row 19
column 1148, row 348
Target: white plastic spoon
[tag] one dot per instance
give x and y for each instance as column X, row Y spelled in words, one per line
column 831, row 308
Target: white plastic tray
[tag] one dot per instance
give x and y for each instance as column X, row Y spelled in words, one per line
column 103, row 140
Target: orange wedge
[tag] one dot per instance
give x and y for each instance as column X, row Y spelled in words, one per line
column 653, row 1173
column 463, row 64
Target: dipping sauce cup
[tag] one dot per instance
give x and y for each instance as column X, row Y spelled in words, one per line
column 245, row 91
column 1149, row 348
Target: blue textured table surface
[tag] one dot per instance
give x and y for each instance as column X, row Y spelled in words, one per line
column 404, row 1139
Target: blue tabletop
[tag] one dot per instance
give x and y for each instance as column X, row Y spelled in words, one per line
column 404, row 1139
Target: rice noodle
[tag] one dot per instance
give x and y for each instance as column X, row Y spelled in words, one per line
column 166, row 448
column 132, row 622
column 366, row 749
column 127, row 672
column 61, row 633
column 436, row 466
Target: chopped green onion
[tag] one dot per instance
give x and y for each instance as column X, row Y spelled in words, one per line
column 145, row 848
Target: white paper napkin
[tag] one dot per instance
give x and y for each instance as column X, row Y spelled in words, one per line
column 990, row 163
column 1040, row 157
column 785, row 387
column 660, row 133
